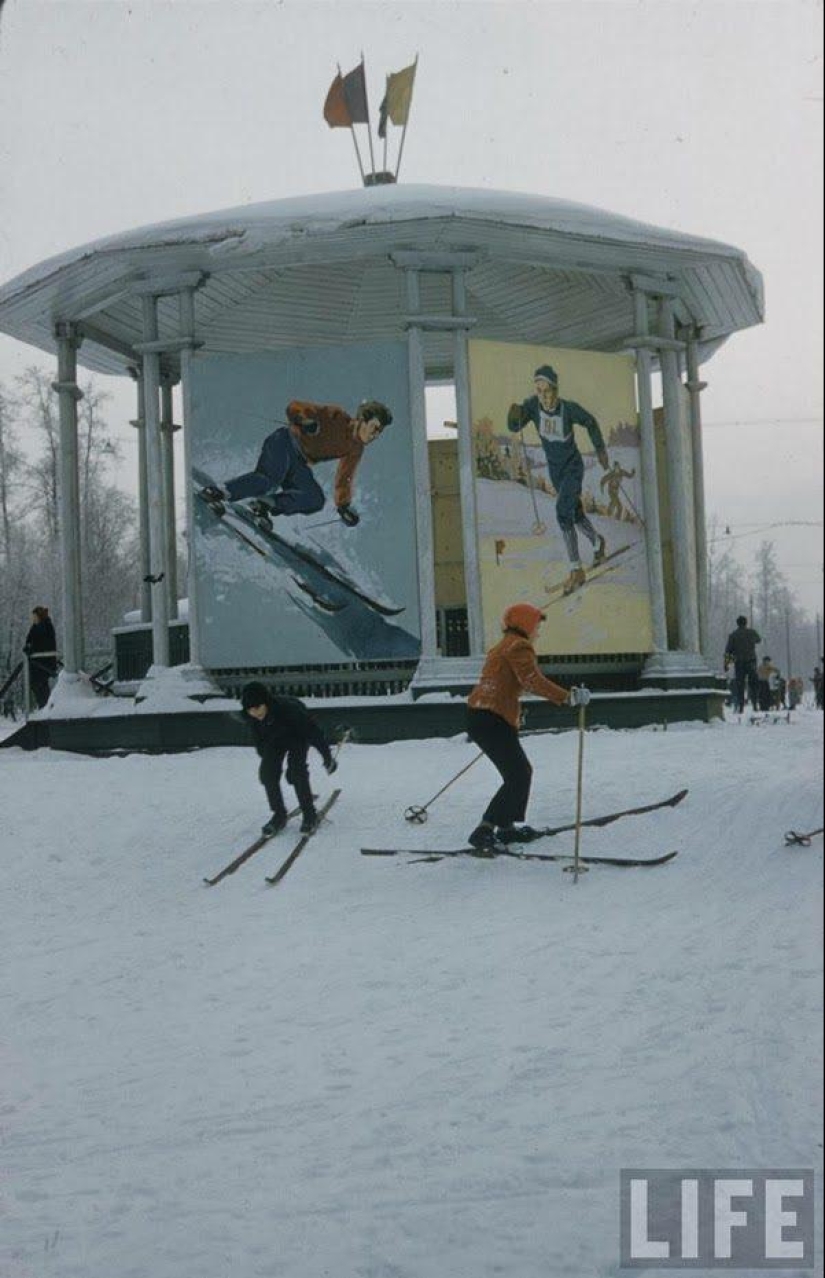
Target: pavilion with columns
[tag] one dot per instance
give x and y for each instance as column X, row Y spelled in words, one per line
column 433, row 267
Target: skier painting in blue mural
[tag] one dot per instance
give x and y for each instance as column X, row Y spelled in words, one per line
column 282, row 482
column 555, row 418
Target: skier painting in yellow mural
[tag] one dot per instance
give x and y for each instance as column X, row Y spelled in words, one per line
column 554, row 418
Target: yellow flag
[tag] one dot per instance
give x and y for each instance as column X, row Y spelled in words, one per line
column 396, row 103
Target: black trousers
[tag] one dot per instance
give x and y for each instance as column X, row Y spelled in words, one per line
column 39, row 684
column 297, row 774
column 39, row 675
column 744, row 672
column 500, row 743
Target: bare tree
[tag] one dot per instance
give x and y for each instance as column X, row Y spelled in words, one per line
column 40, row 409
column 108, row 521
column 11, row 462
column 14, row 549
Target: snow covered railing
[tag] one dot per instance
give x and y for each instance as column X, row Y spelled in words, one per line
column 380, row 680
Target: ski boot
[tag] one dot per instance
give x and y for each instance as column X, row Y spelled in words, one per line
column 516, row 834
column 274, row 825
column 483, row 840
column 599, row 552
column 215, row 498
column 262, row 514
column 310, row 823
column 575, row 581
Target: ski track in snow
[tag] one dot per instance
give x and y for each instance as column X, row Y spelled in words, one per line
column 385, row 1070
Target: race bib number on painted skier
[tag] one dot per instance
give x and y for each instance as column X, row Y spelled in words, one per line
column 551, row 427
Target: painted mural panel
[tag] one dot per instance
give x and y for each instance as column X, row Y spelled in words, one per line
column 305, row 543
column 558, row 487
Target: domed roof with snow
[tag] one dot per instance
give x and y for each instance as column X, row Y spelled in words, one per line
column 323, row 269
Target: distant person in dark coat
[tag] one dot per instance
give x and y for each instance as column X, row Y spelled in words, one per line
column 41, row 639
column 740, row 652
column 284, row 730
column 817, row 682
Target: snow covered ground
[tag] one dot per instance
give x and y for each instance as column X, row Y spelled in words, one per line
column 389, row 1070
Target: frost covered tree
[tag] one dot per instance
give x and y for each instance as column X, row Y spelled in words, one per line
column 15, row 556
column 30, row 515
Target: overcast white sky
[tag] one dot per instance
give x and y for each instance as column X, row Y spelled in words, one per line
column 705, row 117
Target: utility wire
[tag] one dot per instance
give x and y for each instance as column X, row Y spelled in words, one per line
column 787, row 523
column 767, row 421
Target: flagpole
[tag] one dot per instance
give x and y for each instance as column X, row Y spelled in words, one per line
column 406, row 122
column 369, row 126
column 354, row 138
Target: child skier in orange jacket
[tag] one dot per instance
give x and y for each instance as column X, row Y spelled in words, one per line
column 510, row 670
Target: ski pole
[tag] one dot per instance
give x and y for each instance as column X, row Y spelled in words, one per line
column 794, row 839
column 538, row 526
column 324, row 524
column 418, row 815
column 623, row 491
column 578, row 867
column 269, row 421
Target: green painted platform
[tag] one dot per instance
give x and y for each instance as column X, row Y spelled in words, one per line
column 370, row 724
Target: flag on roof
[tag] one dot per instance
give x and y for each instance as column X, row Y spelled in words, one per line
column 346, row 102
column 397, row 98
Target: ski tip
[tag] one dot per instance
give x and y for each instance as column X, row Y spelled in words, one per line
column 661, row 860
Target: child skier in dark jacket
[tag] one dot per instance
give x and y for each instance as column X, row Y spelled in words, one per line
column 284, row 729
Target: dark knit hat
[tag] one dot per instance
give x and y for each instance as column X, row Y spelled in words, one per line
column 741, row 621
column 254, row 694
column 374, row 408
column 548, row 373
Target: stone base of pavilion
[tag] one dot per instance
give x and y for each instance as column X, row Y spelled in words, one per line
column 124, row 725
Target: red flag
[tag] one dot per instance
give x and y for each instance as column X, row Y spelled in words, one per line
column 346, row 102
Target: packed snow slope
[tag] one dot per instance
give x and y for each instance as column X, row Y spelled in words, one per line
column 380, row 1069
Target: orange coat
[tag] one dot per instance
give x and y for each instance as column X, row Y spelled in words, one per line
column 511, row 669
column 324, row 432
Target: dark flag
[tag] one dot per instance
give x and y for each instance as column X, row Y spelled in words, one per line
column 346, row 102
column 397, row 98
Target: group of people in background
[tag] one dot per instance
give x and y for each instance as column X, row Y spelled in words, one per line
column 761, row 682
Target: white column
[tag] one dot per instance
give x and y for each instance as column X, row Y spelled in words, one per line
column 680, row 488
column 186, row 303
column 69, row 497
column 139, row 423
column 466, row 473
column 650, row 481
column 421, row 473
column 167, row 436
column 695, row 387
column 151, row 388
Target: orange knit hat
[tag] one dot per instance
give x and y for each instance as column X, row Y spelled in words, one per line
column 522, row 616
